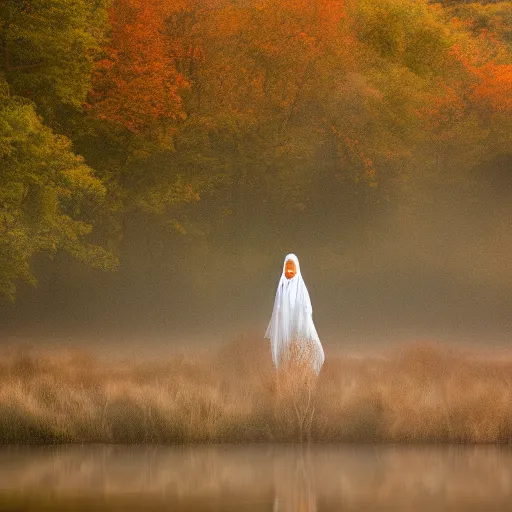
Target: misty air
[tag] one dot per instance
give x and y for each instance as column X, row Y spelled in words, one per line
column 255, row 255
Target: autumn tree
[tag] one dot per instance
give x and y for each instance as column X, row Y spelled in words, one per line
column 48, row 49
column 136, row 83
column 48, row 195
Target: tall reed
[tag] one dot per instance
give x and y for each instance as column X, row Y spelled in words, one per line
column 424, row 393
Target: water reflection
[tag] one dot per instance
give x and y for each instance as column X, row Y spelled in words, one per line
column 294, row 481
column 273, row 478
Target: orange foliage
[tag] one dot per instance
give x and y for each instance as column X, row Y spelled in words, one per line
column 487, row 64
column 158, row 49
column 446, row 105
column 137, row 82
column 268, row 55
column 495, row 86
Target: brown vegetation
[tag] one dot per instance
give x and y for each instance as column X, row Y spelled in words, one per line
column 424, row 393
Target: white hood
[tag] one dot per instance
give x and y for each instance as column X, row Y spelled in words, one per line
column 292, row 318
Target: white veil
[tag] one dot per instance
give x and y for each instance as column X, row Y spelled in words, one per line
column 292, row 319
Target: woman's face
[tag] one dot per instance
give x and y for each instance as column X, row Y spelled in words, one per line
column 290, row 269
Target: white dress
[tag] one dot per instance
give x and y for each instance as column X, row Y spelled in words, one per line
column 292, row 320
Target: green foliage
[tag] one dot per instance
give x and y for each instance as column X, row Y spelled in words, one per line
column 404, row 32
column 494, row 18
column 47, row 50
column 47, row 195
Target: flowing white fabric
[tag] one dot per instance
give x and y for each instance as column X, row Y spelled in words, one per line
column 292, row 320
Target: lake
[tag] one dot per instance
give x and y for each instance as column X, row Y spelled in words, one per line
column 274, row 478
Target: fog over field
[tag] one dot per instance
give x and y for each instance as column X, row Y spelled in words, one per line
column 436, row 267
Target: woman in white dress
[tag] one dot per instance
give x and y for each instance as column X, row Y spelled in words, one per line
column 291, row 330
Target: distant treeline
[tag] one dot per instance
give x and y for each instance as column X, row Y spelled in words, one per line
column 219, row 120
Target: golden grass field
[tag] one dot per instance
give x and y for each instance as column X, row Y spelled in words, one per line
column 422, row 393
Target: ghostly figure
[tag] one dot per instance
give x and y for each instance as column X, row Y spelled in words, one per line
column 291, row 328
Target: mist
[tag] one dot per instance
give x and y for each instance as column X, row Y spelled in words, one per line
column 433, row 265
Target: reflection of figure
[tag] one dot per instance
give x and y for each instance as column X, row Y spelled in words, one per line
column 295, row 490
column 291, row 328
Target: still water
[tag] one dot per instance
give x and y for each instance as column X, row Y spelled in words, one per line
column 253, row 478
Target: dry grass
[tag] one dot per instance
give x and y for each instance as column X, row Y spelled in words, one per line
column 422, row 394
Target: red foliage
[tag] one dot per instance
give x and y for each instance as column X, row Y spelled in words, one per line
column 487, row 65
column 276, row 49
column 494, row 88
column 137, row 82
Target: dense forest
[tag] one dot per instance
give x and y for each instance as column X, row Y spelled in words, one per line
column 194, row 138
